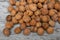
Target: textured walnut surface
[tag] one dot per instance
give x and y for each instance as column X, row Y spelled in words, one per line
column 33, row 36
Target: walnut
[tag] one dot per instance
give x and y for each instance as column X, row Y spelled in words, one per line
column 44, row 19
column 50, row 5
column 53, row 1
column 17, row 3
column 50, row 30
column 14, row 20
column 35, row 1
column 33, row 7
column 30, row 13
column 41, row 16
column 18, row 15
column 28, row 24
column 9, row 25
column 55, row 17
column 39, row 5
column 52, row 12
column 10, row 8
column 38, row 24
column 29, row 1
column 13, row 12
column 37, row 18
column 57, row 6
column 45, row 6
column 45, row 25
column 17, row 30
column 6, row 32
column 37, row 12
column 23, row 26
column 51, row 23
column 33, row 16
column 21, row 21
column 21, row 8
column 22, row 2
column 33, row 22
column 27, row 7
column 40, row 31
column 26, row 13
column 26, row 18
column 9, row 18
column 44, row 11
column 26, row 31
column 12, row 2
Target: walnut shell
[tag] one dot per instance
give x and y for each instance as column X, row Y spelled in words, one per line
column 28, row 24
column 21, row 8
column 37, row 18
column 9, row 18
column 23, row 26
column 17, row 3
column 38, row 24
column 33, row 22
column 12, row 2
column 29, row 1
column 18, row 16
column 51, row 23
column 55, row 17
column 33, row 7
column 45, row 25
column 37, row 12
column 26, row 18
column 51, row 12
column 10, row 8
column 40, row 31
column 6, row 32
column 9, row 25
column 39, row 5
column 44, row 19
column 13, row 12
column 30, row 13
column 26, row 31
column 44, row 11
column 21, row 21
column 22, row 3
column 50, row 5
column 57, row 6
column 14, row 20
column 50, row 30
column 35, row 1
column 17, row 30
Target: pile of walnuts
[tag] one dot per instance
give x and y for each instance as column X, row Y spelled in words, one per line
column 35, row 16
